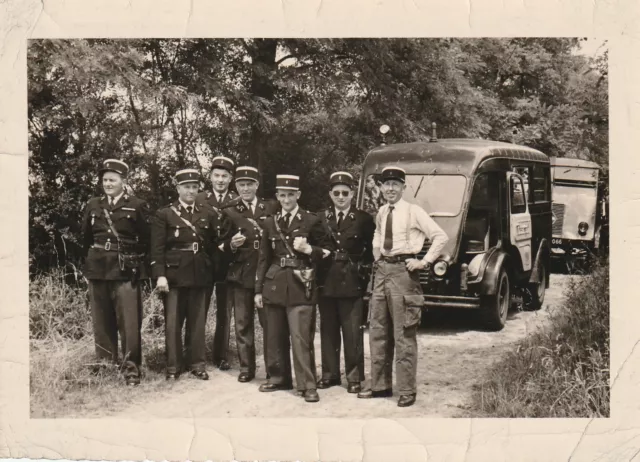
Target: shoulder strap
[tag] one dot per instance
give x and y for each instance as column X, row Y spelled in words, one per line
column 286, row 244
column 188, row 223
column 326, row 225
column 113, row 229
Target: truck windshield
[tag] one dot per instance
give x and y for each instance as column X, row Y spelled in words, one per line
column 439, row 195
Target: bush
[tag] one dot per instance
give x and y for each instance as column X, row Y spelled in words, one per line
column 65, row 377
column 562, row 371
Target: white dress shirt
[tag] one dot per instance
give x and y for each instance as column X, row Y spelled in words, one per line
column 421, row 225
column 114, row 200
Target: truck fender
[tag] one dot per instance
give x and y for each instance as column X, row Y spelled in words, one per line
column 495, row 262
column 542, row 256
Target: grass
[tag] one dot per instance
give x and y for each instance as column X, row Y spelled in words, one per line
column 561, row 371
column 65, row 378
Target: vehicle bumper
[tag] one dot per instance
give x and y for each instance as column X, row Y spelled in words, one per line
column 451, row 301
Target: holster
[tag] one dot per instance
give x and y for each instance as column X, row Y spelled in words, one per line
column 131, row 263
column 306, row 276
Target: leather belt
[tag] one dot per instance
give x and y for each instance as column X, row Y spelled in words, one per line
column 288, row 262
column 108, row 246
column 397, row 258
column 343, row 256
column 193, row 247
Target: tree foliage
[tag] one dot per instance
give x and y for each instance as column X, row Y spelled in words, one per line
column 301, row 106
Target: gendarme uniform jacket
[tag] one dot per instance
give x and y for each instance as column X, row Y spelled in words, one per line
column 244, row 260
column 221, row 259
column 131, row 219
column 176, row 251
column 353, row 242
column 274, row 277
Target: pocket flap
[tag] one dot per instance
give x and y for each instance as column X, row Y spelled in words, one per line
column 172, row 261
column 412, row 310
column 271, row 272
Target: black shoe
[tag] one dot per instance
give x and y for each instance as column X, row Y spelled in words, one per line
column 311, row 396
column 266, row 387
column 132, row 381
column 171, row 376
column 202, row 375
column 245, row 377
column 328, row 383
column 375, row 394
column 224, row 365
column 354, row 387
column 406, row 400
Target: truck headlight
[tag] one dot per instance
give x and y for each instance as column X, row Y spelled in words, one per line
column 440, row 268
column 583, row 228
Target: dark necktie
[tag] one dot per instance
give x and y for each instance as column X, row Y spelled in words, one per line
column 112, row 202
column 220, row 199
column 189, row 210
column 285, row 220
column 388, row 230
column 340, row 217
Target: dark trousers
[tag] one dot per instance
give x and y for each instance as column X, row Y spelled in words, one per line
column 223, row 324
column 241, row 301
column 116, row 307
column 291, row 326
column 185, row 304
column 342, row 314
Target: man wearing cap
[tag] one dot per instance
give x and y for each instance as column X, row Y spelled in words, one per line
column 183, row 237
column 341, row 304
column 246, row 218
column 397, row 300
column 116, row 238
column 292, row 241
column 221, row 176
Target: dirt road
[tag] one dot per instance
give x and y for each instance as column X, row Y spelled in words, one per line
column 453, row 357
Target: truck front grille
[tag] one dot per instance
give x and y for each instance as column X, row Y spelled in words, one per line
column 557, row 219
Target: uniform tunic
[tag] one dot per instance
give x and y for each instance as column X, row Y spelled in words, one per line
column 397, row 299
column 290, row 314
column 221, row 264
column 185, row 259
column 341, row 305
column 241, row 276
column 116, row 303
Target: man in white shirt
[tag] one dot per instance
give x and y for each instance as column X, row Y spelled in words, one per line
column 397, row 299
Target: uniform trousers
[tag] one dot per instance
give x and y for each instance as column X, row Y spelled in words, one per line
column 342, row 314
column 396, row 306
column 116, row 307
column 185, row 304
column 291, row 328
column 223, row 323
column 241, row 302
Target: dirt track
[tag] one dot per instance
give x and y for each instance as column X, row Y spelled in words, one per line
column 453, row 357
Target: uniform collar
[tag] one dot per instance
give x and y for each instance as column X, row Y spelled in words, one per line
column 344, row 212
column 185, row 205
column 117, row 198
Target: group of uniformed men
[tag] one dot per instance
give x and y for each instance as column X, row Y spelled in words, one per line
column 276, row 258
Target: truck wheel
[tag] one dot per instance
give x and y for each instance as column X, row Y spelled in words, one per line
column 496, row 307
column 537, row 290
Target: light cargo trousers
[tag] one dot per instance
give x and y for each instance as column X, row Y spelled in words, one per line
column 394, row 317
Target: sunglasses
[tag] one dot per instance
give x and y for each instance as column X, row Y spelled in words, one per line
column 341, row 193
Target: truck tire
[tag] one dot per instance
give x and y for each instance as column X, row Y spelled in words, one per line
column 495, row 307
column 538, row 289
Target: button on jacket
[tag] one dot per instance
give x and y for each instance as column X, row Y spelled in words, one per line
column 278, row 285
column 169, row 233
column 221, row 259
column 244, row 260
column 131, row 219
column 354, row 237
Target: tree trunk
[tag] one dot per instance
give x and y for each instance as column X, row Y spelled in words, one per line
column 263, row 68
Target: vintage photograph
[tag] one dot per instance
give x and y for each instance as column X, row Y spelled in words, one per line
column 362, row 228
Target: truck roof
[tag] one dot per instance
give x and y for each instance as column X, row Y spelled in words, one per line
column 572, row 162
column 448, row 155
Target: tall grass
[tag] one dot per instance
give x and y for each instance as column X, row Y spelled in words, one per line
column 562, row 371
column 65, row 377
